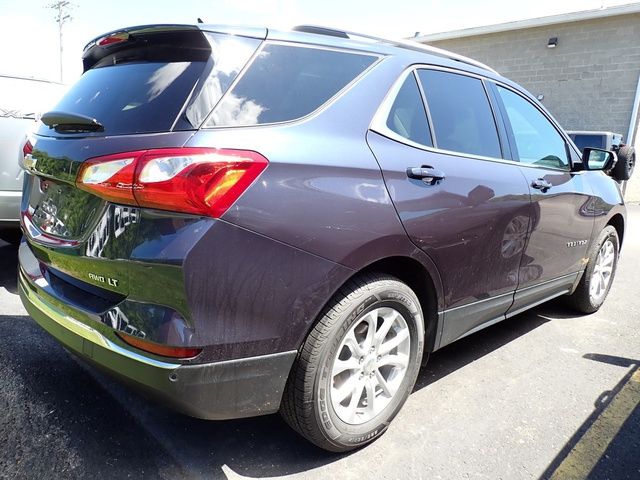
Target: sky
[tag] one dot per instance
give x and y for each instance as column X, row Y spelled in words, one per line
column 29, row 33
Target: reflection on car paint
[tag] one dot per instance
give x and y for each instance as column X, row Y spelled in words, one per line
column 46, row 216
column 116, row 220
column 515, row 236
column 156, row 323
column 119, row 321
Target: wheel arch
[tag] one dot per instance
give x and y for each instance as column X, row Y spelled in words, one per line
column 418, row 276
column 617, row 222
column 413, row 273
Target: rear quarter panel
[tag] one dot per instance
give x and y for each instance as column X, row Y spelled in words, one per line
column 322, row 194
column 323, row 191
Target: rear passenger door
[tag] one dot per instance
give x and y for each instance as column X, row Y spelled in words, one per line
column 436, row 140
column 561, row 213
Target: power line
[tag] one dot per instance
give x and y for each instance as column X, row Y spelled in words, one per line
column 62, row 16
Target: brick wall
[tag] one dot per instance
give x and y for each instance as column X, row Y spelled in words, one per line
column 588, row 81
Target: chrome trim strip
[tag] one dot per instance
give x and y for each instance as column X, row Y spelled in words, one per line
column 140, row 358
column 85, row 331
column 343, row 91
column 379, row 122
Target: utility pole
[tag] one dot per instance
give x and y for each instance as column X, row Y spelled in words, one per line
column 62, row 16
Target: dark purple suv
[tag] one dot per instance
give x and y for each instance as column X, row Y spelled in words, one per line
column 241, row 221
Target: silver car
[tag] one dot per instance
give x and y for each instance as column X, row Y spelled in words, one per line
column 21, row 102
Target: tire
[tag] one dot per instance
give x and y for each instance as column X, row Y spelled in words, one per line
column 626, row 163
column 584, row 299
column 312, row 402
column 12, row 236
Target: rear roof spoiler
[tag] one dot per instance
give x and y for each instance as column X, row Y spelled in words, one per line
column 174, row 41
column 182, row 36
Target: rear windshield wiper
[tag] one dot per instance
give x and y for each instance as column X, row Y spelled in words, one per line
column 65, row 122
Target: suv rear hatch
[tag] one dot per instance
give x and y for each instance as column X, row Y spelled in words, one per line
column 143, row 88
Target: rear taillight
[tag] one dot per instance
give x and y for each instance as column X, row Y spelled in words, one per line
column 201, row 181
column 27, row 149
column 110, row 177
column 26, row 162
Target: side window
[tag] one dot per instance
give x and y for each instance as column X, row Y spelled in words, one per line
column 461, row 114
column 537, row 140
column 287, row 82
column 407, row 116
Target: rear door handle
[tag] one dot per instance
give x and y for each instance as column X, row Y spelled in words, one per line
column 541, row 184
column 426, row 173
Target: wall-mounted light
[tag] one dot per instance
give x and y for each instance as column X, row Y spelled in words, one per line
column 553, row 42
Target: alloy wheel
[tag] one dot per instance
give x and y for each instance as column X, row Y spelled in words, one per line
column 602, row 271
column 369, row 365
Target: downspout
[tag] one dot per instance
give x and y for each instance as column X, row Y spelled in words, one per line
column 634, row 115
column 633, row 124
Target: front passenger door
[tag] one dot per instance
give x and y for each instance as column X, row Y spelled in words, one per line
column 561, row 223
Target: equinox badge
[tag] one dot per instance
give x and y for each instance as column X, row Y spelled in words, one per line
column 577, row 243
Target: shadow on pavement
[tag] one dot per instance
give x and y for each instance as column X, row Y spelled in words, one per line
column 65, row 420
column 9, row 267
column 606, row 445
column 469, row 349
column 57, row 422
column 90, row 425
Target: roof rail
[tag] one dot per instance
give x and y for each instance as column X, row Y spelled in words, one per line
column 332, row 32
column 410, row 45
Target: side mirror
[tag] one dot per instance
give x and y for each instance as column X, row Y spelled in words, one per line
column 598, row 159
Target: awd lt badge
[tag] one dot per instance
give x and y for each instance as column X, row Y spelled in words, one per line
column 102, row 279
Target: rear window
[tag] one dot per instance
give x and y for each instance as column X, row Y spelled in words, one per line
column 462, row 117
column 407, row 116
column 161, row 86
column 135, row 97
column 287, row 82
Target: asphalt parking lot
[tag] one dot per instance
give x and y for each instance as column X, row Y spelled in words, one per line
column 544, row 394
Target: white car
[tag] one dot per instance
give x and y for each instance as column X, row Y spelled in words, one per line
column 22, row 100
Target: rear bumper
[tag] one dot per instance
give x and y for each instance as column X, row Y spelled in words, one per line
column 222, row 390
column 10, row 208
